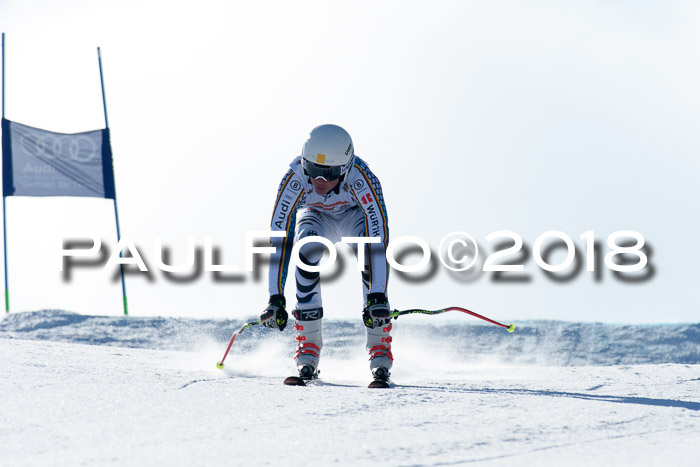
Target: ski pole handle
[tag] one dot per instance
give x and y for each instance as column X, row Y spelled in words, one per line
column 220, row 364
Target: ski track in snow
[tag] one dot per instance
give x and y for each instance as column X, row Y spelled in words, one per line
column 145, row 391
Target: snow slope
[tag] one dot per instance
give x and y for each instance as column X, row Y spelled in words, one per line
column 146, row 391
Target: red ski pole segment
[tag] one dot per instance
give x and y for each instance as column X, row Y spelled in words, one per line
column 509, row 327
column 397, row 313
column 220, row 364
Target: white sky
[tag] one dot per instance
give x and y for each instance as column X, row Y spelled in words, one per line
column 477, row 116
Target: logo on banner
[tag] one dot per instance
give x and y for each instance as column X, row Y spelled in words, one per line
column 76, row 148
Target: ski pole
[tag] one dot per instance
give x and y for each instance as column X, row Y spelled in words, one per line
column 396, row 313
column 220, row 365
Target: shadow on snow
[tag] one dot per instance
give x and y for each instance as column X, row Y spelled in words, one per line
column 575, row 395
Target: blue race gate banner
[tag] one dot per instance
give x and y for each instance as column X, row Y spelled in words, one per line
column 38, row 162
column 43, row 163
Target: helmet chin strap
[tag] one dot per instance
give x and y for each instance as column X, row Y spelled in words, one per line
column 340, row 182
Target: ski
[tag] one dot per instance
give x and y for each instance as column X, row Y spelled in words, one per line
column 379, row 383
column 295, row 381
column 381, row 378
column 309, row 376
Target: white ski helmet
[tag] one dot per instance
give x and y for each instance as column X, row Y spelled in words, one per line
column 328, row 153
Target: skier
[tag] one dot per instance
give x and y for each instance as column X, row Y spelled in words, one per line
column 330, row 192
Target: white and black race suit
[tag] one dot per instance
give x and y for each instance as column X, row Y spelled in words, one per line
column 355, row 208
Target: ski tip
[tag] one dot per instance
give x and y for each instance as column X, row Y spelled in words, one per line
column 294, row 381
column 379, row 384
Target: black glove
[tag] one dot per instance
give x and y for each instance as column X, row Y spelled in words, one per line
column 377, row 312
column 275, row 316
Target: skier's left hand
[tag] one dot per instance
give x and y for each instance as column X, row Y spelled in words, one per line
column 275, row 316
column 377, row 312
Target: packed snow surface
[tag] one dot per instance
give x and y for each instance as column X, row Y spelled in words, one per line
column 90, row 390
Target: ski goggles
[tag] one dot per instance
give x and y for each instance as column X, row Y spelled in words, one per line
column 325, row 172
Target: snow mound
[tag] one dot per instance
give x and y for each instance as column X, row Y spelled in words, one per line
column 534, row 342
column 146, row 391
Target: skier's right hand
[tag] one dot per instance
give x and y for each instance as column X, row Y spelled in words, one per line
column 275, row 316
